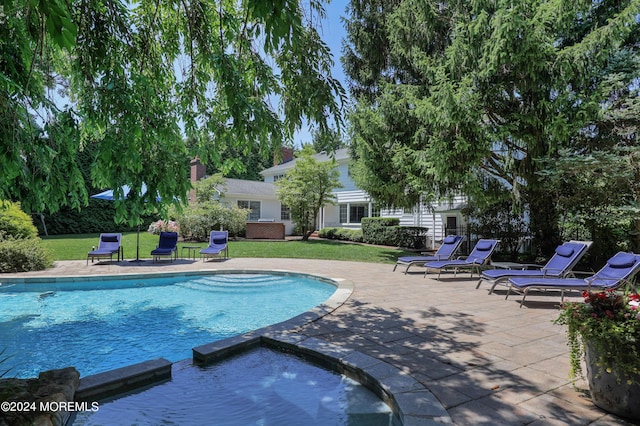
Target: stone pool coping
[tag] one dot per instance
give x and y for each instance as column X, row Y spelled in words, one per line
column 412, row 402
column 409, row 400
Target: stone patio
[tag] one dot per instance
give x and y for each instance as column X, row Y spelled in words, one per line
column 486, row 360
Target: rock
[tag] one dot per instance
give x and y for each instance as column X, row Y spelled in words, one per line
column 28, row 396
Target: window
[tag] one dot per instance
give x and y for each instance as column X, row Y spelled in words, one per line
column 354, row 212
column 357, row 212
column 254, row 206
column 277, row 177
column 285, row 212
column 343, row 213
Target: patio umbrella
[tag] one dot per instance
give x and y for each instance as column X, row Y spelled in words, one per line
column 109, row 196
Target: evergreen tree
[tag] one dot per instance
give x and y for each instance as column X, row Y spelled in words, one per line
column 451, row 95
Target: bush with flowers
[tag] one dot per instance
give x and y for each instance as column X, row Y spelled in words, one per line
column 163, row 226
column 610, row 322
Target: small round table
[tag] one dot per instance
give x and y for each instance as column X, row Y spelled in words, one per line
column 191, row 251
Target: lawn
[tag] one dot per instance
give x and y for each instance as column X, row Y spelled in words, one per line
column 75, row 247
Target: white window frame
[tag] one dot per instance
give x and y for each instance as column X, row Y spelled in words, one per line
column 255, row 207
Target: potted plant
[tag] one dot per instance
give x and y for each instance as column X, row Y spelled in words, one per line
column 605, row 331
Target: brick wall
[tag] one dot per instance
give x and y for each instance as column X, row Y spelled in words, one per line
column 265, row 230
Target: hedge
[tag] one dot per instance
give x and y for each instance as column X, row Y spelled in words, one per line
column 343, row 234
column 412, row 237
column 380, row 230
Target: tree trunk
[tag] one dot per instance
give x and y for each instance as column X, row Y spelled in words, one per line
column 544, row 221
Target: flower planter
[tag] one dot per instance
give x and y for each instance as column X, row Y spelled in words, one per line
column 611, row 391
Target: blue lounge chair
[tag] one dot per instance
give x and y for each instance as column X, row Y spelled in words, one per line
column 167, row 246
column 479, row 256
column 108, row 245
column 449, row 246
column 560, row 265
column 218, row 244
column 619, row 269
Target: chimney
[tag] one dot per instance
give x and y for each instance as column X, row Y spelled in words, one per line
column 198, row 171
column 287, row 155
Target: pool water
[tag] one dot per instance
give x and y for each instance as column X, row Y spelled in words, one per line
column 259, row 387
column 100, row 325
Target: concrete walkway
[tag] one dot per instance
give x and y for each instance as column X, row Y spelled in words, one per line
column 487, row 361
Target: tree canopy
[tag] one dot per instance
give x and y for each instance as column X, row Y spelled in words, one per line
column 452, row 95
column 137, row 79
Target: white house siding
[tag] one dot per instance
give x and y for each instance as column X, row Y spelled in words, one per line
column 350, row 194
column 244, row 190
column 434, row 218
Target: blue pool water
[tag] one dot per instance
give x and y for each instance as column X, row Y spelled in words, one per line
column 260, row 387
column 101, row 325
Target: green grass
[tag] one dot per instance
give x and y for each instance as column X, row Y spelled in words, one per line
column 76, row 247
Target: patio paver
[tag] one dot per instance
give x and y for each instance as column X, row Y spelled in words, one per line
column 485, row 359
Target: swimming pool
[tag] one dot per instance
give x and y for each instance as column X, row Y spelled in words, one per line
column 101, row 324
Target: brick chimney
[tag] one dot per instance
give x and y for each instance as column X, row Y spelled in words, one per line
column 287, row 155
column 198, row 171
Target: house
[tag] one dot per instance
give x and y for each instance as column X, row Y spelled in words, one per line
column 353, row 204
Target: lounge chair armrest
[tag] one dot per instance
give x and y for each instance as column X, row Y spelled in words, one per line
column 546, row 271
column 532, row 266
column 583, row 273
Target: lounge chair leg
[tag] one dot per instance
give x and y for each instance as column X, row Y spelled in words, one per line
column 524, row 296
column 479, row 282
column 394, row 268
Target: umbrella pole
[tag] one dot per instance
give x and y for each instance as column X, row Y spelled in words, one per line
column 138, row 245
column 137, row 260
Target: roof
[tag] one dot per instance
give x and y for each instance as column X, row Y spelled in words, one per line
column 340, row 155
column 249, row 187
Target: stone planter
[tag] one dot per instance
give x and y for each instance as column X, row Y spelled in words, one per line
column 607, row 392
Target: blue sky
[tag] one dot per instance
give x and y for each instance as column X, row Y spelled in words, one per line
column 332, row 32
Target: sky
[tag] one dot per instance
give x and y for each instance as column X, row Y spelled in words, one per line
column 332, row 32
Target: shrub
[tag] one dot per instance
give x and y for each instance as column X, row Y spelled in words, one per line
column 329, row 233
column 163, row 226
column 199, row 219
column 14, row 222
column 343, row 234
column 23, row 255
column 412, row 237
column 380, row 230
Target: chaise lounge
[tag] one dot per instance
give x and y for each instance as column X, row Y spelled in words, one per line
column 167, row 246
column 619, row 269
column 449, row 246
column 479, row 256
column 218, row 244
column 560, row 265
column 108, row 245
